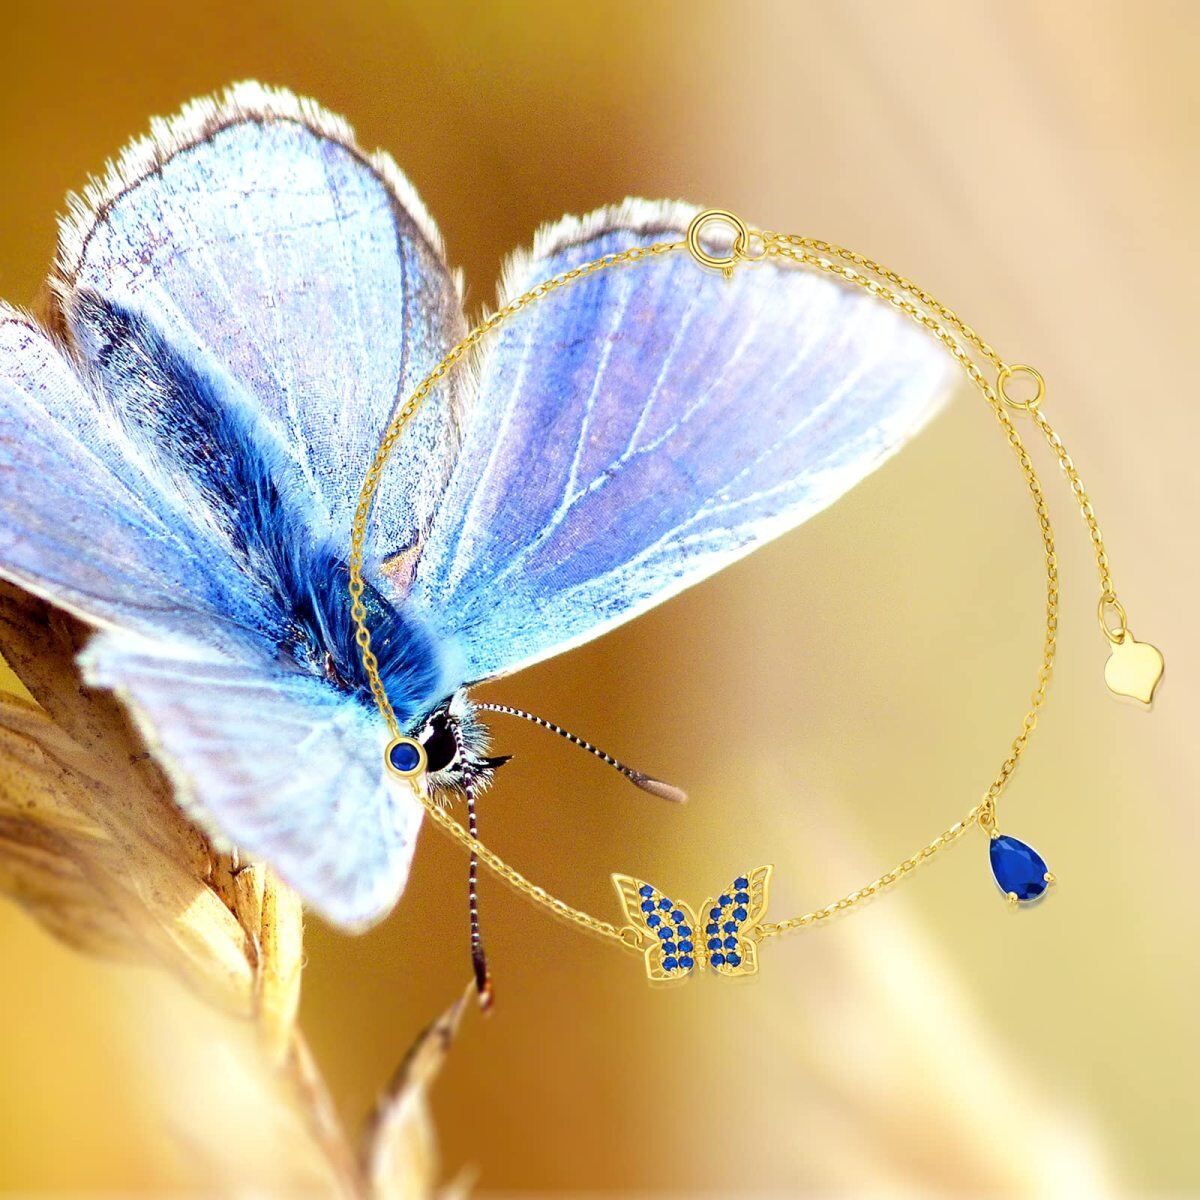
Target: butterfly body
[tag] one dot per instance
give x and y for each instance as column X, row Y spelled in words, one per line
column 722, row 936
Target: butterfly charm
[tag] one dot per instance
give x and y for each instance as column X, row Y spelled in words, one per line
column 675, row 940
column 237, row 308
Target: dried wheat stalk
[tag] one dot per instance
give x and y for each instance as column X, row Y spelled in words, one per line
column 92, row 845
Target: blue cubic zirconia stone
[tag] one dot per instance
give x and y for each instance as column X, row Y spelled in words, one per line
column 730, row 927
column 670, row 963
column 712, row 927
column 405, row 756
column 742, row 897
column 645, row 890
column 717, row 960
column 739, row 914
column 741, row 882
column 715, row 913
column 647, row 906
column 678, row 917
column 731, row 943
column 685, row 931
column 686, row 962
column 668, row 947
column 725, row 901
column 1018, row 868
column 714, row 943
column 664, row 904
column 654, row 920
column 734, row 960
column 686, row 947
column 665, row 932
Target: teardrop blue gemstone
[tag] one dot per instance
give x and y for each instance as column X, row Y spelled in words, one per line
column 1018, row 868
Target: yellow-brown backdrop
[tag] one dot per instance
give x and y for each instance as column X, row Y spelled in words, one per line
column 831, row 702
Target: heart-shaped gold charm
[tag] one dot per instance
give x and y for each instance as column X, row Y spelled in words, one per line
column 1133, row 669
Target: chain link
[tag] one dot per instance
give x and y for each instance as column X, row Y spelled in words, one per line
column 944, row 325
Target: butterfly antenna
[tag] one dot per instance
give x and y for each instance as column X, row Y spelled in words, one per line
column 483, row 978
column 647, row 783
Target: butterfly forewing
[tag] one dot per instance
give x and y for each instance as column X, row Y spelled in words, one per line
column 667, row 929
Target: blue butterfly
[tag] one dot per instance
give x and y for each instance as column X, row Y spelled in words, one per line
column 676, row 940
column 237, row 306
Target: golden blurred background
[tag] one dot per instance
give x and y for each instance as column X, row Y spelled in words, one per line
column 833, row 701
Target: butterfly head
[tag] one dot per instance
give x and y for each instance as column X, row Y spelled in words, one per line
column 456, row 745
column 455, row 742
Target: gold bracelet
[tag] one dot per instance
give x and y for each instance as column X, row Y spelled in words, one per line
column 723, row 934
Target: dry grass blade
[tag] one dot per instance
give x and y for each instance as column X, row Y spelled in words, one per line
column 95, row 855
column 400, row 1159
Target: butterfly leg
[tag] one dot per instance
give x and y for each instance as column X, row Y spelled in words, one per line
column 483, row 979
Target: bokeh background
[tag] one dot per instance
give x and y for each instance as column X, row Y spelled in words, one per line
column 832, row 702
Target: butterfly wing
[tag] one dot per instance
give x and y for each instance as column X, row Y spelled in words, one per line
column 648, row 426
column 81, row 526
column 291, row 769
column 729, row 921
column 253, row 228
column 666, row 929
column 251, row 233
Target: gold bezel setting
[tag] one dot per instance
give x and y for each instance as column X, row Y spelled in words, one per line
column 417, row 769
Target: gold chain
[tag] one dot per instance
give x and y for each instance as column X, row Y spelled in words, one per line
column 935, row 318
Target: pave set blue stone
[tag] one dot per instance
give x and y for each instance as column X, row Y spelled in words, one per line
column 724, row 922
column 675, row 937
column 675, row 942
column 1019, row 869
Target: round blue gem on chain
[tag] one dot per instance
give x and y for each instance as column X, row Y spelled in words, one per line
column 405, row 756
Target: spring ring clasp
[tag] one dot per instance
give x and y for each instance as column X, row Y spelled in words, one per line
column 739, row 247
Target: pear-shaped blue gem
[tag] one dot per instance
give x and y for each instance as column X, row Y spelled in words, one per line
column 1019, row 869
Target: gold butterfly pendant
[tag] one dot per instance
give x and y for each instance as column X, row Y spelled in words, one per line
column 677, row 941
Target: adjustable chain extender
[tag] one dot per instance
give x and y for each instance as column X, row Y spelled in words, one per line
column 724, row 933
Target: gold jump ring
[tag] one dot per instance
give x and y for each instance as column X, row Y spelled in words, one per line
column 1006, row 373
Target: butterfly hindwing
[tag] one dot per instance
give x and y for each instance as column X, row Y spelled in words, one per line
column 272, row 759
column 666, row 927
column 729, row 921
